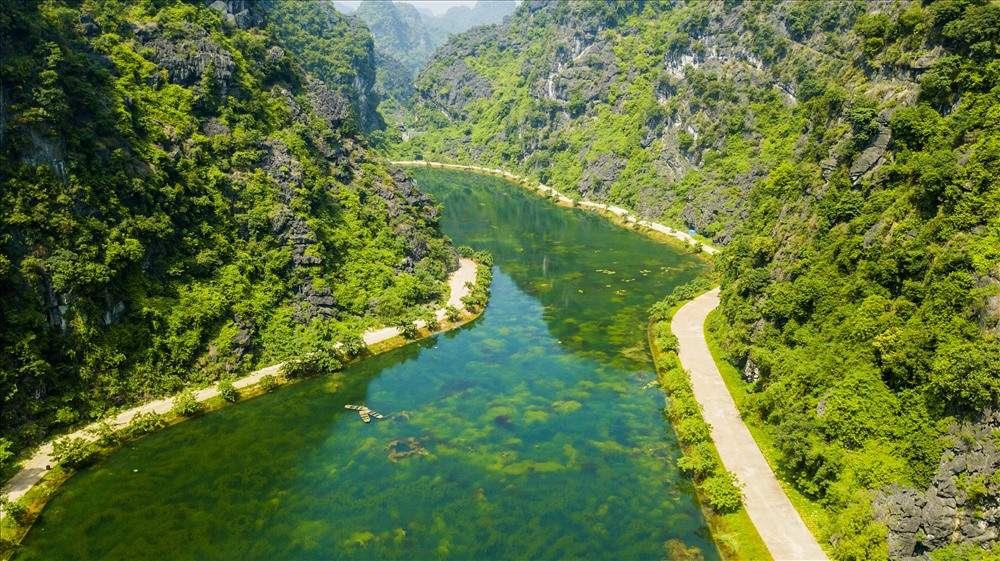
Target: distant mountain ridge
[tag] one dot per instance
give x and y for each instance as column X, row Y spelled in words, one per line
column 409, row 35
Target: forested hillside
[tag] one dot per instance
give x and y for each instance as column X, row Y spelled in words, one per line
column 405, row 38
column 335, row 48
column 847, row 154
column 182, row 202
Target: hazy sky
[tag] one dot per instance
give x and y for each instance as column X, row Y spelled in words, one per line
column 437, row 6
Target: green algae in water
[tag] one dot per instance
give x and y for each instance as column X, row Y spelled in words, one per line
column 538, row 438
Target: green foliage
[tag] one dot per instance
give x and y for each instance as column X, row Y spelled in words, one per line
column 693, row 431
column 228, row 391
column 856, row 535
column 14, row 509
column 701, row 462
column 169, row 232
column 268, row 382
column 479, row 294
column 859, row 296
column 724, row 492
column 407, row 327
column 72, row 452
column 965, row 552
column 144, row 423
column 664, row 309
column 186, row 404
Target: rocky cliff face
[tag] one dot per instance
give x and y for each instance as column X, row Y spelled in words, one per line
column 959, row 506
column 697, row 87
column 181, row 201
column 332, row 47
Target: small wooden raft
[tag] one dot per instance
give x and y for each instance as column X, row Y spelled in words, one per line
column 365, row 413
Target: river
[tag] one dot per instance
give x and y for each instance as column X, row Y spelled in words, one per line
column 529, row 433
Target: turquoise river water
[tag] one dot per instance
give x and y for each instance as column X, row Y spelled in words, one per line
column 531, row 433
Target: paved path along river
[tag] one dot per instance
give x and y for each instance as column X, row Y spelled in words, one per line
column 779, row 524
column 36, row 466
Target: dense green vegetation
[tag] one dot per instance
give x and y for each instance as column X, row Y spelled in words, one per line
column 847, row 153
column 405, row 37
column 333, row 48
column 732, row 528
column 182, row 203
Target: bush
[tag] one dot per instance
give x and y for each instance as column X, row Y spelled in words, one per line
column 186, row 404
column 322, row 361
column 700, row 462
column 452, row 313
column 106, row 434
column 268, row 382
column 665, row 340
column 228, row 391
column 72, row 452
column 14, row 509
column 724, row 492
column 407, row 328
column 144, row 423
column 693, row 431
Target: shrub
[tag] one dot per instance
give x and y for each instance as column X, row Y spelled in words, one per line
column 145, row 423
column 267, row 382
column 106, row 434
column 407, row 328
column 700, row 462
column 693, row 431
column 72, row 452
column 14, row 509
column 724, row 492
column 228, row 391
column 186, row 404
column 452, row 313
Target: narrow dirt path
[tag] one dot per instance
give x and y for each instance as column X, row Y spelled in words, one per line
column 36, row 466
column 779, row 524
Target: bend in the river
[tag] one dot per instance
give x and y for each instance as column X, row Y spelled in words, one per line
column 529, row 433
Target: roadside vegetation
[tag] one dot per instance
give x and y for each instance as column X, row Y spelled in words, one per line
column 718, row 489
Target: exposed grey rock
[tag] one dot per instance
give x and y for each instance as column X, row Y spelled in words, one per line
column 751, row 372
column 243, row 340
column 986, row 310
column 961, row 504
column 114, row 314
column 49, row 150
column 240, row 13
column 88, row 26
column 214, row 127
column 187, row 59
column 599, row 174
column 312, row 303
column 872, row 156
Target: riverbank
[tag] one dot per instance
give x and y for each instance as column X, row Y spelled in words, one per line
column 39, row 465
column 733, row 532
column 626, row 216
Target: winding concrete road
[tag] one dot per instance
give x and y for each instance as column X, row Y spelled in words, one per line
column 777, row 521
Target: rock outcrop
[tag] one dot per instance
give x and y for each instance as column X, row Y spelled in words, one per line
column 962, row 503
